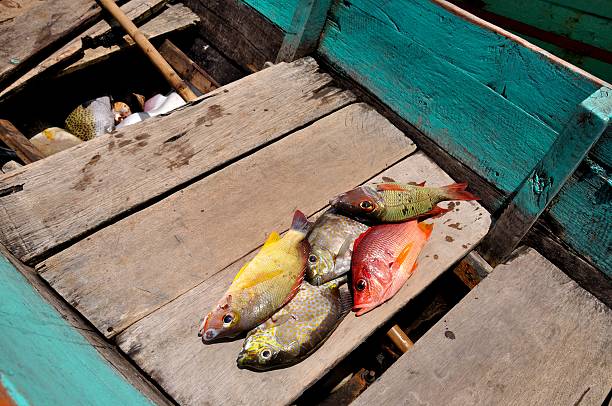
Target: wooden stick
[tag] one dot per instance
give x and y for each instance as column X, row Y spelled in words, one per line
column 399, row 338
column 187, row 68
column 15, row 140
column 160, row 63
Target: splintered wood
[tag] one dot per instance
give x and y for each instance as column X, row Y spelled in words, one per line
column 526, row 335
column 114, row 173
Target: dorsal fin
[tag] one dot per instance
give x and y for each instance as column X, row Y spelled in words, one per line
column 388, row 179
column 426, row 228
column 422, row 184
column 241, row 270
column 272, row 238
column 389, row 186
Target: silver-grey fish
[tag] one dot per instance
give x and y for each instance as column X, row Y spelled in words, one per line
column 331, row 240
column 298, row 329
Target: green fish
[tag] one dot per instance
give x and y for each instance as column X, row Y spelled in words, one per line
column 393, row 202
column 298, row 329
column 331, row 241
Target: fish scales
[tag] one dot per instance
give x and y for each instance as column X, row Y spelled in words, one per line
column 331, row 241
column 298, row 329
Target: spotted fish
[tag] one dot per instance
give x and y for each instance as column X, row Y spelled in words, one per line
column 91, row 119
column 298, row 329
column 392, row 202
column 331, row 242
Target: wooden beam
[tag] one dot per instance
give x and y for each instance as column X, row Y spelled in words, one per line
column 305, row 30
column 527, row 335
column 15, row 140
column 124, row 171
column 539, row 188
column 188, row 69
column 137, row 10
column 174, row 18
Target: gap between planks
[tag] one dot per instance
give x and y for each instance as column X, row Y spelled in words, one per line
column 165, row 343
column 120, row 172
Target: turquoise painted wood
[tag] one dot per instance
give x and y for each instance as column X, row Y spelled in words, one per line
column 467, row 118
column 306, row 27
column 584, row 209
column 547, row 91
column 588, row 123
column 490, row 102
column 563, row 19
column 280, row 12
column 44, row 360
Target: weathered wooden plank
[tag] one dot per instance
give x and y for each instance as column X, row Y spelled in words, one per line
column 175, row 18
column 44, row 360
column 220, row 218
column 32, row 33
column 303, row 35
column 582, row 212
column 186, row 68
column 137, row 10
column 106, row 349
column 539, row 188
column 115, row 173
column 526, row 335
column 15, row 140
column 461, row 114
column 572, row 22
column 239, row 31
column 165, row 344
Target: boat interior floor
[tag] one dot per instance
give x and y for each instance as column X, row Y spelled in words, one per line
column 143, row 230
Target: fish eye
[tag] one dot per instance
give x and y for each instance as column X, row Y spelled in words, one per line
column 266, row 354
column 361, row 284
column 366, row 205
column 312, row 259
column 228, row 318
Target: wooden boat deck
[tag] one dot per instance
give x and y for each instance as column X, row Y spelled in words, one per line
column 526, row 335
column 142, row 230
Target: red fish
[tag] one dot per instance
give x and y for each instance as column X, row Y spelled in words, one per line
column 384, row 257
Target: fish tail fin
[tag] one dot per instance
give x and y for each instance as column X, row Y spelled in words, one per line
column 300, row 223
column 426, row 229
column 457, row 191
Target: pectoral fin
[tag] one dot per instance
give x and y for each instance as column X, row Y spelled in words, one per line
column 402, row 257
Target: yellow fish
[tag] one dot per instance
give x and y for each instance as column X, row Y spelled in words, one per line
column 263, row 285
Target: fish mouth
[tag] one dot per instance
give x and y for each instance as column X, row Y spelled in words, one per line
column 363, row 308
column 241, row 360
column 208, row 335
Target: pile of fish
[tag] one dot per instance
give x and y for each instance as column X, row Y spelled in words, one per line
column 101, row 116
column 293, row 294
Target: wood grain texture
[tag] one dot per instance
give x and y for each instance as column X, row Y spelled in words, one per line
column 187, row 68
column 200, row 230
column 29, row 35
column 15, row 140
column 175, row 18
column 514, row 339
column 588, row 123
column 456, row 110
column 239, row 31
column 303, row 35
column 44, row 360
column 165, row 344
column 117, row 361
column 114, row 173
column 137, row 10
column 280, row 12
